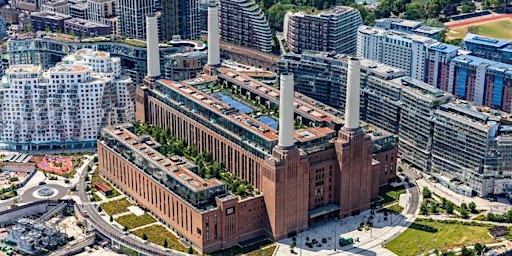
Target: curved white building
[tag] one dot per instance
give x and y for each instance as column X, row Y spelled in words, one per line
column 243, row 23
column 66, row 106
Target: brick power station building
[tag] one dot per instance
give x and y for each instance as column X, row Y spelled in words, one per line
column 331, row 166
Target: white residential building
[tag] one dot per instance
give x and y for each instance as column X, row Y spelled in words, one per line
column 398, row 49
column 65, row 106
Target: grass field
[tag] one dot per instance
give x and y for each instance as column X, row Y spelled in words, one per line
column 390, row 194
column 423, row 236
column 116, row 207
column 158, row 234
column 134, row 221
column 498, row 29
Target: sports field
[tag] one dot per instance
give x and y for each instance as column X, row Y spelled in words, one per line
column 501, row 28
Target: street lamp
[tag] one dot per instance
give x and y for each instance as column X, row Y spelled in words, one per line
column 335, row 232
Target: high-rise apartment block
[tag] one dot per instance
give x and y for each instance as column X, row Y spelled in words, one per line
column 499, row 50
column 132, row 16
column 66, row 106
column 438, row 60
column 243, row 23
column 482, row 81
column 179, row 17
column 331, row 30
column 60, row 6
column 398, row 49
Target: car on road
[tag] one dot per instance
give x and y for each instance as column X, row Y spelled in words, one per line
column 42, row 183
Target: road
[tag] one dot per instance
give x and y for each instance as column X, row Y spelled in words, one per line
column 108, row 230
column 412, row 187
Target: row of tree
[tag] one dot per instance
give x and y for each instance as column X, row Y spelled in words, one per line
column 208, row 168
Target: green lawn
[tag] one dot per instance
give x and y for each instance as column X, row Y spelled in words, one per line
column 157, row 234
column 424, row 235
column 390, row 194
column 497, row 29
column 268, row 251
column 133, row 221
column 116, row 207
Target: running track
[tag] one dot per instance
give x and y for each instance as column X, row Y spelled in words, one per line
column 478, row 20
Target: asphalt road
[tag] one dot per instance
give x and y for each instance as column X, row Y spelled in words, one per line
column 108, row 230
column 413, row 190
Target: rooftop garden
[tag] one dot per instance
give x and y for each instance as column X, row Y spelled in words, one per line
column 208, row 168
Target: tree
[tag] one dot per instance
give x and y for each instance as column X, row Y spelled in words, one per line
column 144, row 237
column 468, row 7
column 276, row 13
column 444, row 202
column 427, row 193
column 423, row 209
column 125, row 229
column 472, row 207
column 464, row 206
column 95, row 159
column 433, row 208
column 190, row 250
column 414, row 11
column 464, row 213
column 479, row 248
column 466, row 252
column 434, row 8
column 99, row 208
column 111, row 218
column 165, row 244
column 449, row 208
column 450, row 9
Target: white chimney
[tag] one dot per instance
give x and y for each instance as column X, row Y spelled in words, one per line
column 353, row 92
column 286, row 124
column 153, row 52
column 213, row 34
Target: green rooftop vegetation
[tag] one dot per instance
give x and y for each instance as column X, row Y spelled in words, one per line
column 116, row 207
column 133, row 221
column 208, row 168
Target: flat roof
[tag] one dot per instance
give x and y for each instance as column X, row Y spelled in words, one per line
column 400, row 22
column 51, row 15
column 84, row 23
column 396, row 34
column 428, row 30
column 478, row 39
column 442, row 47
column 174, row 166
column 495, row 66
column 59, row 68
column 25, row 68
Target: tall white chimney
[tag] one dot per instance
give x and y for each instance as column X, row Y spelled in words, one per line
column 213, row 34
column 153, row 52
column 353, row 92
column 286, row 123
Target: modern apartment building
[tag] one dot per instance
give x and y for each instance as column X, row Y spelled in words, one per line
column 85, row 28
column 415, row 131
column 184, row 66
column 132, row 16
column 179, row 17
column 104, row 12
column 438, row 60
column 50, row 50
column 243, row 23
column 66, row 106
column 332, row 30
column 3, row 28
column 482, row 81
column 323, row 76
column 409, row 26
column 79, row 9
column 471, row 148
column 45, row 20
column 398, row 49
column 499, row 50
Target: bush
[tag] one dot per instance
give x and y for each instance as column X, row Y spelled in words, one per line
column 427, row 193
column 190, row 250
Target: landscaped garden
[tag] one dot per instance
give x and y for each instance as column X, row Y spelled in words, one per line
column 116, row 207
column 425, row 235
column 133, row 221
column 158, row 234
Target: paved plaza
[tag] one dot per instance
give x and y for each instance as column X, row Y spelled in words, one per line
column 367, row 242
